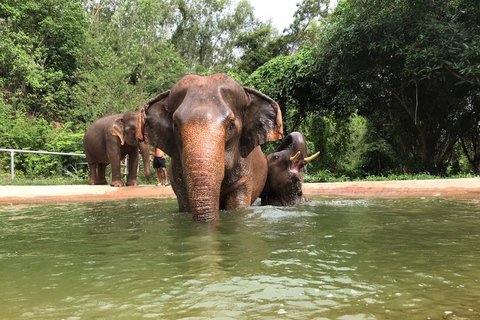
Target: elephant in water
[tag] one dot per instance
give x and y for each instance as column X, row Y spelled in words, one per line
column 107, row 141
column 212, row 128
column 285, row 172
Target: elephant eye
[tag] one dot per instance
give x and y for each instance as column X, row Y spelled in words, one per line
column 231, row 126
column 276, row 156
column 174, row 123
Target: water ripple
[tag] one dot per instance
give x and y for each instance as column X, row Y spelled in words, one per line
column 327, row 259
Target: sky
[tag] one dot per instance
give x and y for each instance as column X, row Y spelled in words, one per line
column 280, row 11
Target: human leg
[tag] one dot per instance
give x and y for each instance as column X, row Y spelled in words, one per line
column 164, row 171
column 159, row 176
column 158, row 169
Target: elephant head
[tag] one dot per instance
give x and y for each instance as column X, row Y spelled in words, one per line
column 285, row 172
column 125, row 127
column 212, row 128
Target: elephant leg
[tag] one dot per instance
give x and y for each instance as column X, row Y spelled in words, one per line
column 132, row 169
column 92, row 167
column 178, row 185
column 241, row 197
column 100, row 178
column 115, row 158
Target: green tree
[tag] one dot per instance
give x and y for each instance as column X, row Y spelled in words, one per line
column 306, row 28
column 286, row 80
column 205, row 32
column 258, row 47
column 138, row 31
column 411, row 67
column 127, row 58
column 39, row 53
column 470, row 139
column 264, row 43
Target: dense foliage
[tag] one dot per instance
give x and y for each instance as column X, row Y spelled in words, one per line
column 411, row 69
column 379, row 86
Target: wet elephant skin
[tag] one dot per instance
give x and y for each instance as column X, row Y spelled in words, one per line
column 285, row 172
column 212, row 128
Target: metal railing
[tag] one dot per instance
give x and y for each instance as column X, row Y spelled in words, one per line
column 13, row 151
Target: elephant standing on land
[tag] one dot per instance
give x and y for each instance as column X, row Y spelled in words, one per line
column 107, row 141
column 212, row 128
column 285, row 172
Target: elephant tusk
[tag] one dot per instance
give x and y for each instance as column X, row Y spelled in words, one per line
column 308, row 159
column 295, row 156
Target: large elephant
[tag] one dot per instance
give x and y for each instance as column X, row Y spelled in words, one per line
column 212, row 128
column 285, row 172
column 107, row 141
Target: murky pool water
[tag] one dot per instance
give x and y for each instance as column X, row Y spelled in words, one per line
column 328, row 259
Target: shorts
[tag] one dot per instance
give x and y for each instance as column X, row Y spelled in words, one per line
column 158, row 162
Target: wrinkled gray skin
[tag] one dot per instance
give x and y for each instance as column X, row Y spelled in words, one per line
column 212, row 129
column 107, row 141
column 285, row 177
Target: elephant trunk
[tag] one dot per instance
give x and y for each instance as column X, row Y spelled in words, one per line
column 204, row 169
column 145, row 152
column 298, row 143
column 298, row 151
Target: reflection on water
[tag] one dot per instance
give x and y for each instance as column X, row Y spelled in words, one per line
column 327, row 259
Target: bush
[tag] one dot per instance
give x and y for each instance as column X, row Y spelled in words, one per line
column 19, row 131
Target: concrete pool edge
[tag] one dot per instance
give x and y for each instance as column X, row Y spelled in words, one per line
column 76, row 193
column 460, row 189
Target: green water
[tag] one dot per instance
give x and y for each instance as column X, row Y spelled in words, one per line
column 328, row 259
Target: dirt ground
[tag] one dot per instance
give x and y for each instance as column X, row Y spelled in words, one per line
column 461, row 189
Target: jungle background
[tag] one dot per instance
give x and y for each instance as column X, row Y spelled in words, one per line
column 383, row 88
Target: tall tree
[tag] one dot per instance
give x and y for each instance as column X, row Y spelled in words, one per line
column 127, row 59
column 39, row 53
column 140, row 26
column 411, row 67
column 205, row 31
column 264, row 43
column 470, row 140
column 258, row 47
column 306, row 27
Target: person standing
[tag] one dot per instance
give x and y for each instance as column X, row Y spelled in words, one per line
column 160, row 167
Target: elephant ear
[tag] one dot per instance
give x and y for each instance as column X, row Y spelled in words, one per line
column 155, row 123
column 117, row 129
column 262, row 121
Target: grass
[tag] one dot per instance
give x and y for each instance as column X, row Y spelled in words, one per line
column 21, row 180
column 321, row 176
column 325, row 176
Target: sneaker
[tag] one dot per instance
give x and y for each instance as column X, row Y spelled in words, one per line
column 159, row 184
column 167, row 184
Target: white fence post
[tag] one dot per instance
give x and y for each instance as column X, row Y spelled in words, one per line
column 12, row 165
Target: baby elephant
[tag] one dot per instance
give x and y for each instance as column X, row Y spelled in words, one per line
column 107, row 141
column 285, row 172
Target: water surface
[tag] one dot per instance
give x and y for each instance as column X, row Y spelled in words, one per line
column 328, row 259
